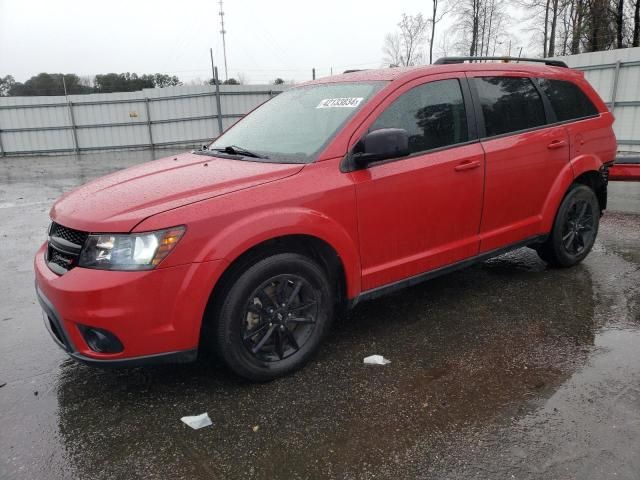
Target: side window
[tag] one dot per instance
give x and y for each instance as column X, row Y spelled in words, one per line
column 433, row 115
column 509, row 104
column 567, row 100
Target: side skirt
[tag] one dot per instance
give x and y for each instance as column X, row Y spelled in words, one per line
column 422, row 277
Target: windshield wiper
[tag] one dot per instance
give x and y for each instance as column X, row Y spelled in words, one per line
column 236, row 150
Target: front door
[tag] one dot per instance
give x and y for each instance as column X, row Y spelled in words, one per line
column 421, row 212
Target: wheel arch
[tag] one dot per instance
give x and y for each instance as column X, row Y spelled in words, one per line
column 584, row 170
column 310, row 246
column 597, row 183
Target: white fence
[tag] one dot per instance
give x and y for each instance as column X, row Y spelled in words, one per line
column 615, row 74
column 144, row 119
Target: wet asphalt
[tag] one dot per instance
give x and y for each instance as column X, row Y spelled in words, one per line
column 504, row 370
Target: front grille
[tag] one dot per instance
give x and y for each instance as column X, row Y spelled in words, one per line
column 64, row 248
column 70, row 235
column 61, row 259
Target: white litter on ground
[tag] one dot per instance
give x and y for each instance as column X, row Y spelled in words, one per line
column 197, row 421
column 376, row 360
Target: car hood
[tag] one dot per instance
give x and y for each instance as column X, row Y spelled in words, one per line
column 118, row 202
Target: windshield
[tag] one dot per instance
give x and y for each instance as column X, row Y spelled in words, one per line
column 298, row 123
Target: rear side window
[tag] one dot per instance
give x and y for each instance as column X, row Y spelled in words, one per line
column 567, row 100
column 433, row 115
column 509, row 104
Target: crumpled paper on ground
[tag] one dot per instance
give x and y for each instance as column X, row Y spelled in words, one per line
column 376, row 360
column 197, row 421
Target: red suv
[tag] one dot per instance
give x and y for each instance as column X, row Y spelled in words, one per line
column 333, row 192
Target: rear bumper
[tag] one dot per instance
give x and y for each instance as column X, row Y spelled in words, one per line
column 155, row 314
column 625, row 169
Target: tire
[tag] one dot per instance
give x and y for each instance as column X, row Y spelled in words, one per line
column 285, row 301
column 574, row 230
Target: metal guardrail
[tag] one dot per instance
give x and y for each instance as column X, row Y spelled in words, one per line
column 74, row 126
column 140, row 99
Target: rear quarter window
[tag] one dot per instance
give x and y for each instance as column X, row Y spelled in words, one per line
column 509, row 104
column 567, row 99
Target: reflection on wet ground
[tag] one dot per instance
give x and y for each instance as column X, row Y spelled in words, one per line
column 503, row 370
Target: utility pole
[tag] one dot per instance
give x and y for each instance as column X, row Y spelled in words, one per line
column 216, row 81
column 71, row 117
column 313, row 73
column 224, row 45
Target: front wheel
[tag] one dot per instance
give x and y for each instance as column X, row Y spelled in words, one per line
column 574, row 229
column 274, row 317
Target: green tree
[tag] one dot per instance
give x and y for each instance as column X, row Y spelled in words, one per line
column 122, row 82
column 52, row 83
column 161, row 80
column 6, row 83
column 49, row 84
column 131, row 82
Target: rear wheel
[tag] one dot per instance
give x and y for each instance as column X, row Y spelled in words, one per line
column 574, row 230
column 274, row 317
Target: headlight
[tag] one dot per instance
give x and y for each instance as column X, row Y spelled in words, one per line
column 135, row 251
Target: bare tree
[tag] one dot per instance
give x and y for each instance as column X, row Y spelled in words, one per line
column 391, row 49
column 444, row 44
column 619, row 15
column 565, row 27
column 577, row 25
column 467, row 16
column 403, row 48
column 546, row 29
column 554, row 23
column 599, row 26
column 482, row 24
column 412, row 31
column 434, row 20
column 476, row 8
column 544, row 15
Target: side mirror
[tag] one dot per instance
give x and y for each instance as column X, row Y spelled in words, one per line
column 380, row 145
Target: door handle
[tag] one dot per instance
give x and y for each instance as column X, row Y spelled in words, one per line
column 556, row 144
column 467, row 166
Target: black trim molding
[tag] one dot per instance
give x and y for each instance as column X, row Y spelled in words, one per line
column 422, row 277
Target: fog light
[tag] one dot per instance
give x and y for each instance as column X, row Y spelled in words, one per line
column 101, row 341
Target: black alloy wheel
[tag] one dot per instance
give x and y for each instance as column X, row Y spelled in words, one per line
column 280, row 317
column 574, row 230
column 578, row 231
column 273, row 315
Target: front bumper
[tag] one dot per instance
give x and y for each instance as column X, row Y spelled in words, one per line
column 156, row 314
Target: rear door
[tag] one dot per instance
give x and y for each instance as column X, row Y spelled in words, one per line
column 524, row 155
column 421, row 212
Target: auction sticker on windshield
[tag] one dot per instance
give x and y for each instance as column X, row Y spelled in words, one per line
column 349, row 102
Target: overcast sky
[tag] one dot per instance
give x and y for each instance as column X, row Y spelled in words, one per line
column 265, row 39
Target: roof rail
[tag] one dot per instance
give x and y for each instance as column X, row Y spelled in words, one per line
column 553, row 63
